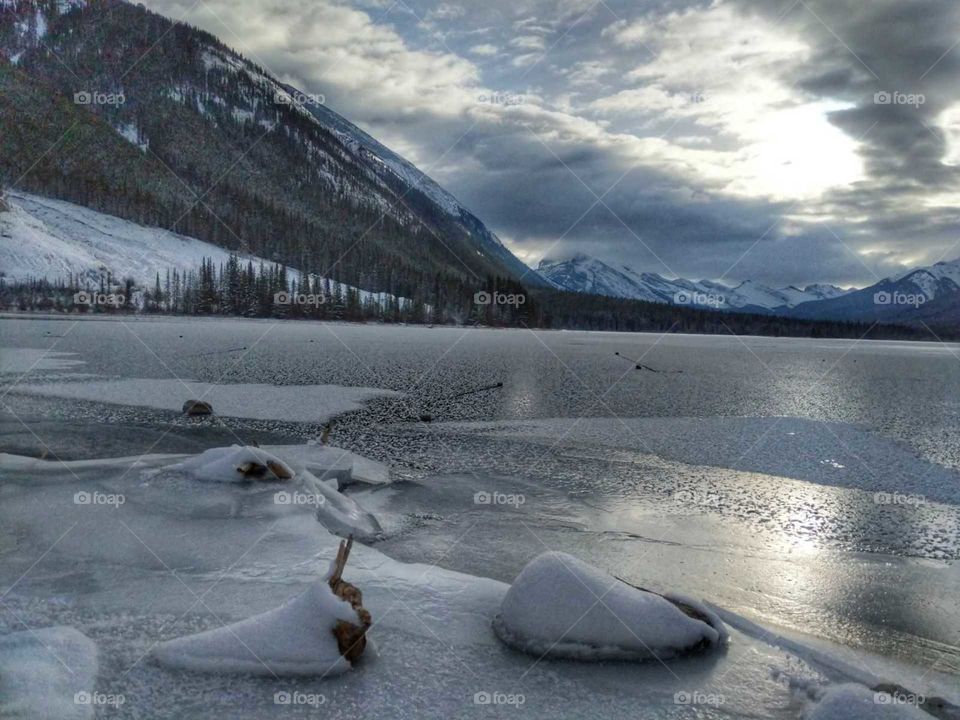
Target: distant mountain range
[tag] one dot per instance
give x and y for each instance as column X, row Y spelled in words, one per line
column 930, row 295
column 582, row 273
column 118, row 109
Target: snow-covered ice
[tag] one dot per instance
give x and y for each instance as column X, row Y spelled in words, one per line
column 292, row 403
column 559, row 606
column 48, row 674
column 27, row 360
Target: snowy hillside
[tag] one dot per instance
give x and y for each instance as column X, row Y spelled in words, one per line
column 52, row 239
column 590, row 275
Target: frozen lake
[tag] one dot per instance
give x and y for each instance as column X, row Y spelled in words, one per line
column 810, row 486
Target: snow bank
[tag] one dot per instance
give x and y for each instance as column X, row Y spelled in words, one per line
column 294, row 639
column 293, row 403
column 227, row 464
column 47, row 673
column 561, row 607
column 850, row 701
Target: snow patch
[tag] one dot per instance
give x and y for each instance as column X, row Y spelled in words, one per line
column 293, row 403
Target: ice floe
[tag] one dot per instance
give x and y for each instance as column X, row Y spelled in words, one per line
column 256, row 401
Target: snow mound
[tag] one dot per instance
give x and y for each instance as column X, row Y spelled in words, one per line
column 850, row 701
column 227, row 464
column 561, row 607
column 47, row 673
column 293, row 639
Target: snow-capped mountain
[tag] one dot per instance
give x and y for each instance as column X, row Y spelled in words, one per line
column 582, row 273
column 927, row 294
column 193, row 137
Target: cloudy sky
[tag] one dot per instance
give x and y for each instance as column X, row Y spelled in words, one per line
column 790, row 141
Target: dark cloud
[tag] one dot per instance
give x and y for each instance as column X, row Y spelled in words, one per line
column 532, row 171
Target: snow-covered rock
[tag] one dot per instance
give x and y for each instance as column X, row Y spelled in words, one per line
column 293, row 639
column 48, row 673
column 560, row 606
column 230, row 464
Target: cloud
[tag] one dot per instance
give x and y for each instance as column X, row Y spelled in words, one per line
column 485, row 49
column 726, row 139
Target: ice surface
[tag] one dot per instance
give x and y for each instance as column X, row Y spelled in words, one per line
column 294, row 639
column 561, row 607
column 837, row 454
column 47, row 674
column 180, row 557
column 24, row 360
column 293, row 403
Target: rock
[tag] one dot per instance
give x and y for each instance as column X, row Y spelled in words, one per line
column 197, row 408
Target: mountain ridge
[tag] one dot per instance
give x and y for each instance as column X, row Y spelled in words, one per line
column 582, row 273
column 207, row 144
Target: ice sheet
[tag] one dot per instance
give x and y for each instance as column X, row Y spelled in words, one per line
column 836, row 454
column 48, row 674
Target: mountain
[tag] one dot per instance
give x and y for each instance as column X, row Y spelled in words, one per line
column 585, row 274
column 930, row 295
column 115, row 108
